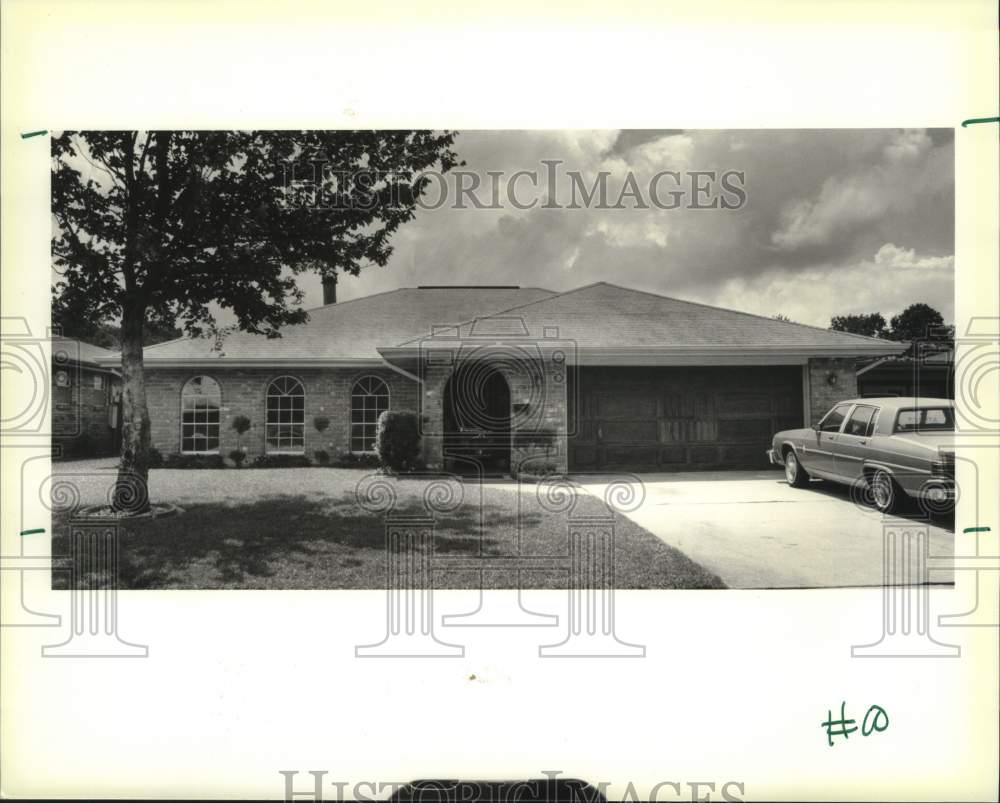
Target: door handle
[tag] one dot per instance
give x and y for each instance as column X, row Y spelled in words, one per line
column 862, row 443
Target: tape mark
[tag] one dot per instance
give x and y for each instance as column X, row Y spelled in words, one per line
column 28, row 134
column 33, row 532
column 976, row 530
column 974, row 120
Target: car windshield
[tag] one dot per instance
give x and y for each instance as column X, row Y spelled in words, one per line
column 925, row 419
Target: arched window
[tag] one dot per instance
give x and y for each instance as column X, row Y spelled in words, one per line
column 201, row 403
column 285, row 424
column 369, row 399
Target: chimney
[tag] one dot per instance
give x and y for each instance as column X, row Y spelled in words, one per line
column 330, row 289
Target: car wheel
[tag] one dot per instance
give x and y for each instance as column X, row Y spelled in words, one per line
column 797, row 476
column 885, row 493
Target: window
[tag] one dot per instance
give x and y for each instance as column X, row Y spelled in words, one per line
column 859, row 422
column 97, row 381
column 369, row 399
column 201, row 403
column 925, row 418
column 832, row 420
column 285, row 424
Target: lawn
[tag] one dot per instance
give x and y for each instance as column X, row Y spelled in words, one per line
column 302, row 528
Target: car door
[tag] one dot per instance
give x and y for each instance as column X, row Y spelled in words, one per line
column 851, row 446
column 819, row 455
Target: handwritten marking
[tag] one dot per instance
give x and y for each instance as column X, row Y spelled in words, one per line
column 974, row 120
column 28, row 134
column 33, row 532
column 976, row 530
column 876, row 720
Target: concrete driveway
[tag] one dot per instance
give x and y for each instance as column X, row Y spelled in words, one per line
column 755, row 531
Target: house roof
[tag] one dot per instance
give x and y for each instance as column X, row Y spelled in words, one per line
column 602, row 318
column 353, row 330
column 67, row 349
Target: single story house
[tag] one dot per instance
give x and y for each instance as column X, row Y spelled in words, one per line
column 86, row 391
column 510, row 378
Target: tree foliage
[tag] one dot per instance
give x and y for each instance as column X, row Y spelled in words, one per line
column 173, row 221
column 871, row 324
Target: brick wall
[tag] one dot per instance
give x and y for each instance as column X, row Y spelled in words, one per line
column 81, row 421
column 327, row 393
column 822, row 393
column 538, row 417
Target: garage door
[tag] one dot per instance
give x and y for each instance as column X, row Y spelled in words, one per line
column 661, row 419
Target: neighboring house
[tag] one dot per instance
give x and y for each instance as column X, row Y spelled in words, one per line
column 85, row 393
column 931, row 376
column 597, row 378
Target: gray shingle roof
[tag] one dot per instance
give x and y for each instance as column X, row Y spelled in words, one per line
column 607, row 316
column 353, row 330
column 80, row 352
column 600, row 316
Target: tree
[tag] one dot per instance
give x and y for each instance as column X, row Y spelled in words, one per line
column 159, row 225
column 780, row 317
column 74, row 321
column 917, row 322
column 871, row 324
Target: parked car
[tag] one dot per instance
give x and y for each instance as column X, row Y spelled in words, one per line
column 898, row 447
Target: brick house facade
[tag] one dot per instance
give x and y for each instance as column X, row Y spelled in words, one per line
column 84, row 399
column 602, row 377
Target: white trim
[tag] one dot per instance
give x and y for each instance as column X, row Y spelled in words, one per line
column 806, row 395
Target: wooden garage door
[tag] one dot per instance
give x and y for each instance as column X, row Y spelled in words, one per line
column 656, row 419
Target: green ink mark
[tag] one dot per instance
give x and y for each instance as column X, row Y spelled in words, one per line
column 974, row 120
column 39, row 133
column 843, row 724
column 976, row 530
column 33, row 532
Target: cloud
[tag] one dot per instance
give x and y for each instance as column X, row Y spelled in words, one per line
column 825, row 210
column 892, row 256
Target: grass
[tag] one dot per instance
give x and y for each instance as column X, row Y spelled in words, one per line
column 303, row 529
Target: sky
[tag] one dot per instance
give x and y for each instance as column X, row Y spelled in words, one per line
column 835, row 221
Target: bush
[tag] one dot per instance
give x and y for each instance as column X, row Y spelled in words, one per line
column 322, row 457
column 154, row 458
column 397, row 440
column 281, row 461
column 195, row 461
column 241, row 424
column 238, row 456
column 355, row 460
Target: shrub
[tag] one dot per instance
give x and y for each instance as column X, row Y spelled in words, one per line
column 238, row 456
column 355, row 460
column 397, row 440
column 533, row 473
column 241, row 424
column 194, row 461
column 322, row 457
column 281, row 461
column 321, row 423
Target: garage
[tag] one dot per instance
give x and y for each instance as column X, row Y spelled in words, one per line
column 679, row 418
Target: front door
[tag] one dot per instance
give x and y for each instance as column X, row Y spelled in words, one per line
column 477, row 421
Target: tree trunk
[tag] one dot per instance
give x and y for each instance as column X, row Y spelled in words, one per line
column 131, row 494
